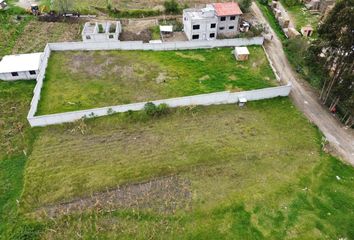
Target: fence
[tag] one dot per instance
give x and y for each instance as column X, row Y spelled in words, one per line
column 138, row 45
column 204, row 99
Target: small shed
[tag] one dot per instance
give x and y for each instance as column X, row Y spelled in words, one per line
column 242, row 101
column 166, row 31
column 20, row 67
column 307, row 31
column 241, row 53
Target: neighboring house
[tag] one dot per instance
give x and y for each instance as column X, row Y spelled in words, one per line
column 20, row 67
column 3, row 4
column 229, row 14
column 200, row 24
column 213, row 20
column 101, row 31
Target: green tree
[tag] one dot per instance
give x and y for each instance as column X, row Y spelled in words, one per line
column 333, row 53
column 245, row 5
column 172, row 7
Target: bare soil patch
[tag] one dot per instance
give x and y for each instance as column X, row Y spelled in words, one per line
column 144, row 36
column 164, row 195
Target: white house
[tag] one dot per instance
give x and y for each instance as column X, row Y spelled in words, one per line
column 101, row 31
column 20, row 67
column 200, row 24
column 215, row 19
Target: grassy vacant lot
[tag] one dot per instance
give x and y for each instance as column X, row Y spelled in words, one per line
column 37, row 34
column 83, row 80
column 301, row 16
column 253, row 173
column 89, row 5
column 15, row 142
column 11, row 28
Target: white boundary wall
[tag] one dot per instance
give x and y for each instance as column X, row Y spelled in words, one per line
column 138, row 45
column 225, row 97
column 204, row 99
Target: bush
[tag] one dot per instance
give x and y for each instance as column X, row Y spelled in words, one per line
column 155, row 111
column 100, row 28
column 28, row 231
column 245, row 5
column 172, row 7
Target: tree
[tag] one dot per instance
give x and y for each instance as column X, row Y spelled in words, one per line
column 333, row 53
column 245, row 5
column 171, row 7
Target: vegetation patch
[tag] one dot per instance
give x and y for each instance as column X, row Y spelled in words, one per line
column 255, row 172
column 82, row 80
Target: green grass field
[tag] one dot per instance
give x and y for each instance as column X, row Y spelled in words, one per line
column 302, row 16
column 254, row 173
column 15, row 143
column 84, row 80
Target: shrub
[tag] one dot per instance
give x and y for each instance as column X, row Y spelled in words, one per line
column 150, row 109
column 100, row 28
column 110, row 111
column 155, row 111
column 172, row 7
column 163, row 109
column 27, row 231
column 245, row 5
column 112, row 28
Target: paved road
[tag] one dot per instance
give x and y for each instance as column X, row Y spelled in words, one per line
column 306, row 99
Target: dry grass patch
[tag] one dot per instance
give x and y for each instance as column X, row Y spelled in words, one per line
column 37, row 34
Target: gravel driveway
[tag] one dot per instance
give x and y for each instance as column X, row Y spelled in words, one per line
column 341, row 139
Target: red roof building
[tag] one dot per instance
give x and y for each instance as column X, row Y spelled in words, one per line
column 227, row 9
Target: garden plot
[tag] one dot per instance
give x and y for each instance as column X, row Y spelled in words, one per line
column 77, row 80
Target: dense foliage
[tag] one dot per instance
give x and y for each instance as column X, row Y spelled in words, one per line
column 333, row 55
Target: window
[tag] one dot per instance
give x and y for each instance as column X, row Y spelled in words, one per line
column 14, row 74
column 232, row 27
column 196, row 36
column 223, row 19
column 111, row 36
column 88, row 37
column 232, row 18
column 196, row 27
column 32, row 72
column 212, row 35
column 221, row 28
column 213, row 25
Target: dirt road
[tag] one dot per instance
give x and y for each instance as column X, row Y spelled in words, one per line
column 341, row 139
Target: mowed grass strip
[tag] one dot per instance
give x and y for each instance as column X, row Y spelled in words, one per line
column 88, row 79
column 259, row 142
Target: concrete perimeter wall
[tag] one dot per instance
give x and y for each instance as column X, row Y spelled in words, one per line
column 204, row 99
column 138, row 45
column 225, row 97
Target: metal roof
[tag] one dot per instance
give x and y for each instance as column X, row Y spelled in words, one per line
column 227, row 9
column 20, row 63
column 166, row 28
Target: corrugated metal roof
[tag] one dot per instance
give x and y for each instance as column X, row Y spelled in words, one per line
column 20, row 63
column 227, row 9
